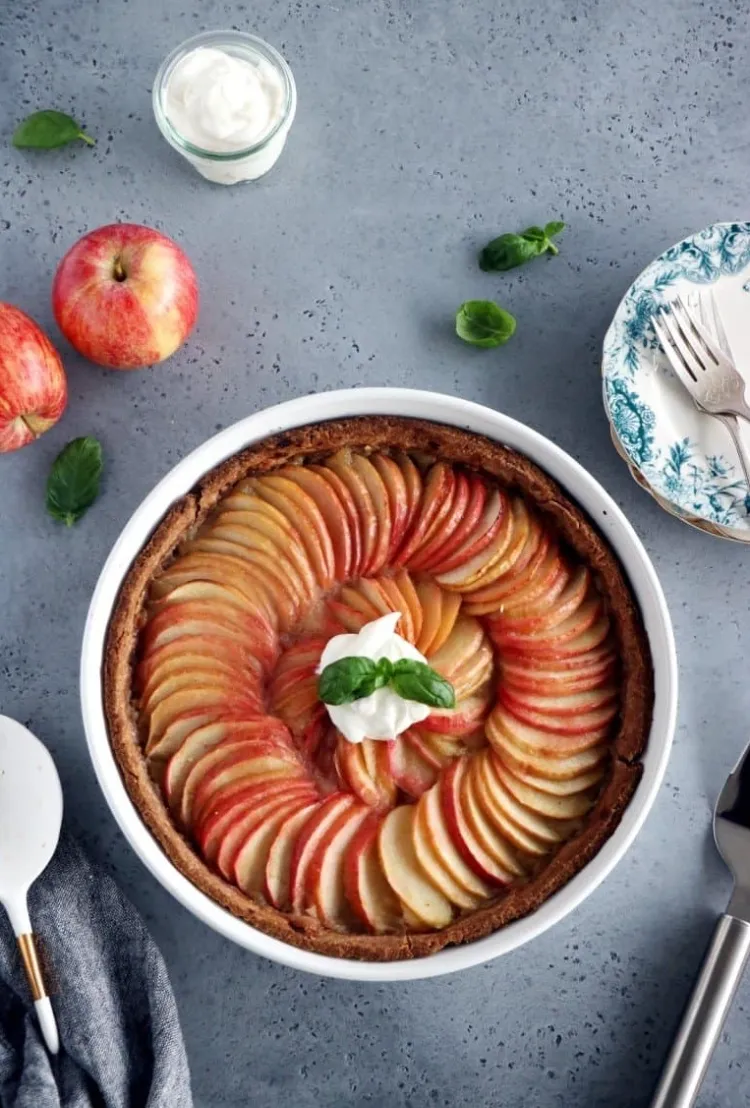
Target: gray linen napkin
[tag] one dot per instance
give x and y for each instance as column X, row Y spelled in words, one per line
column 121, row 1044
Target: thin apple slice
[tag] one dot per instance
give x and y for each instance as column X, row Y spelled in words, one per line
column 265, row 730
column 276, row 879
column 196, row 673
column 266, row 571
column 352, row 596
column 366, row 888
column 222, row 569
column 256, row 529
column 464, row 528
column 325, row 889
column 443, row 527
column 351, row 515
column 341, row 465
column 209, row 591
column 536, row 740
column 403, row 872
column 441, row 859
column 414, row 485
column 520, row 620
column 376, row 789
column 442, row 748
column 571, row 807
column 236, row 835
column 562, row 706
column 403, row 583
column 262, row 516
column 258, row 548
column 483, row 841
column 435, row 504
column 410, row 771
column 465, row 717
column 430, row 599
column 464, row 641
column 330, row 813
column 224, row 652
column 549, row 830
column 566, row 767
column 230, row 766
column 209, row 830
column 582, row 657
column 398, row 498
column 450, row 607
column 475, row 676
column 494, row 868
column 427, row 751
column 567, row 637
column 200, row 701
column 594, row 723
column 568, row 786
column 350, row 619
column 374, row 591
column 530, row 540
column 224, row 620
column 176, row 734
column 513, row 554
column 519, row 678
column 499, row 806
column 333, row 512
column 250, row 859
column 536, row 577
column 190, row 620
column 489, row 538
column 381, row 506
column 300, row 707
column 303, row 513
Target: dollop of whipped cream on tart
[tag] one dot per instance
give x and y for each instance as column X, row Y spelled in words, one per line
column 383, row 714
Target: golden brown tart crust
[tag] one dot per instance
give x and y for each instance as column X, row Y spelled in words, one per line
column 513, row 470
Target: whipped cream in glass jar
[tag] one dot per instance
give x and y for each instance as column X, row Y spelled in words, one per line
column 226, row 100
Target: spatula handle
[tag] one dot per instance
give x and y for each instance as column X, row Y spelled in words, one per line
column 19, row 918
column 705, row 1014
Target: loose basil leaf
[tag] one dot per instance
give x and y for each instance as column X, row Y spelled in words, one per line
column 484, row 323
column 73, row 483
column 509, row 251
column 47, row 130
column 348, row 679
column 554, row 228
column 416, row 681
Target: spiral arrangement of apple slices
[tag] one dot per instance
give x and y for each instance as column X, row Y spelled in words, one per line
column 384, row 837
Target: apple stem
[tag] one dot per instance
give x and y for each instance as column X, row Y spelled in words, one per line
column 119, row 270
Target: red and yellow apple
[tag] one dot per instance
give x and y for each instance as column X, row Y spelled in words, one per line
column 33, row 387
column 125, row 296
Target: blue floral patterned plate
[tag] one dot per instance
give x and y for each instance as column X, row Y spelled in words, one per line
column 683, row 457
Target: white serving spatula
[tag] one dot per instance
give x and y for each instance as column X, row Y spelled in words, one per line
column 30, row 821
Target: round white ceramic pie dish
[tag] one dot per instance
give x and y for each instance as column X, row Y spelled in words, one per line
column 442, row 409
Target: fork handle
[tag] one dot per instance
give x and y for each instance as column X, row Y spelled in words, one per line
column 732, row 425
column 705, row 1014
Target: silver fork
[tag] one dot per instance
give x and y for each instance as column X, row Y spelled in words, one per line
column 711, row 379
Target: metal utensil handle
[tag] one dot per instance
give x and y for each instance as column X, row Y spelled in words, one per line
column 732, row 426
column 705, row 1014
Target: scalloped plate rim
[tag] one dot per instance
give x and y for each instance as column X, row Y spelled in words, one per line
column 707, row 238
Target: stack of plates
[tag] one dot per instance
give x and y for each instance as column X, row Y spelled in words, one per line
column 684, row 458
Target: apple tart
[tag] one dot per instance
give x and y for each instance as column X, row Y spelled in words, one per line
column 471, row 817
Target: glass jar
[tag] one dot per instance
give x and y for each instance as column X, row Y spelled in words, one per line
column 230, row 167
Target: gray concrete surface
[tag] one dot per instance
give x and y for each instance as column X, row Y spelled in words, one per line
column 423, row 129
